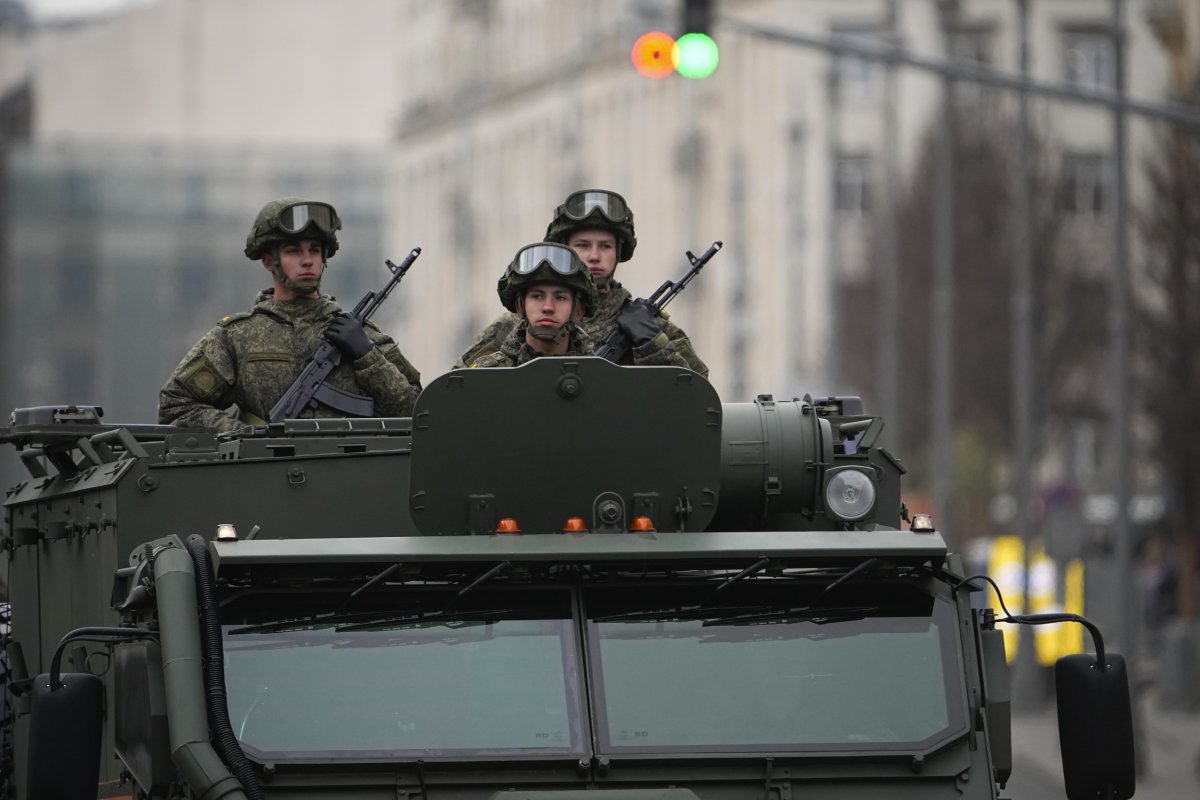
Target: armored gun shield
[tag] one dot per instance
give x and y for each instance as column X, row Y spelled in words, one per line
column 563, row 440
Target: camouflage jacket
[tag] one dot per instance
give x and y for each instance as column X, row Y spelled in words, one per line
column 240, row 369
column 514, row 351
column 674, row 348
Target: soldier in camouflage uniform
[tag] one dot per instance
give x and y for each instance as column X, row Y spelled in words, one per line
column 549, row 290
column 235, row 374
column 598, row 226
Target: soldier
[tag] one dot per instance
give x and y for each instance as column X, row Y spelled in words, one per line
column 549, row 291
column 250, row 359
column 598, row 225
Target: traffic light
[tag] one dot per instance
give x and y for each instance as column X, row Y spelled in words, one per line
column 697, row 55
column 655, row 54
column 693, row 55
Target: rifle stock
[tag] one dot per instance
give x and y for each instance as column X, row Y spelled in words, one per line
column 616, row 344
column 309, row 389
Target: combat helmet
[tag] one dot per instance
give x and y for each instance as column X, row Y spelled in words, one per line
column 595, row 208
column 546, row 262
column 291, row 218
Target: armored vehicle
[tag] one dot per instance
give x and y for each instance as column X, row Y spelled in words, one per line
column 567, row 580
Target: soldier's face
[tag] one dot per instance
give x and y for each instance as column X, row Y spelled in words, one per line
column 549, row 306
column 597, row 249
column 298, row 270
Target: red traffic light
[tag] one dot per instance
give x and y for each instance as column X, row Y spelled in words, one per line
column 655, row 54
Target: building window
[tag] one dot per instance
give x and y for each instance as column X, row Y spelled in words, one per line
column 972, row 44
column 195, row 282
column 1085, row 184
column 77, row 278
column 1088, row 59
column 195, row 194
column 852, row 185
column 855, row 75
column 79, row 376
column 79, row 194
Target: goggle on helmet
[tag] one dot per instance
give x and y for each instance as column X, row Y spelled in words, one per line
column 594, row 208
column 291, row 218
column 546, row 263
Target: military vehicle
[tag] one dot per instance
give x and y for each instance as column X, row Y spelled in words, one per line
column 566, row 580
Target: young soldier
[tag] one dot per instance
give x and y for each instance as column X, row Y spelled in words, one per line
column 549, row 291
column 598, row 225
column 250, row 359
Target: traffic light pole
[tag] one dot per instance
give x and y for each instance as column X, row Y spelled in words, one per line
column 1175, row 113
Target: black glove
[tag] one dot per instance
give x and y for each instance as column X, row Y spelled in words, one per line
column 348, row 335
column 640, row 323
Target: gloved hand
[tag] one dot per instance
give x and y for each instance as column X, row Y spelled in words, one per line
column 347, row 334
column 640, row 323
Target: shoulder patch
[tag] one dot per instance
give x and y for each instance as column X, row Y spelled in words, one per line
column 230, row 318
column 491, row 360
column 202, row 380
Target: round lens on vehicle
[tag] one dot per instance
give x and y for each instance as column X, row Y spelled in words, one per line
column 849, row 494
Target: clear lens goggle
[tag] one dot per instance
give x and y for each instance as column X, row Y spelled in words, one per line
column 298, row 216
column 558, row 257
column 580, row 205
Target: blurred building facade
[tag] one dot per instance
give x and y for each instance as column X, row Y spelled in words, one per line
column 155, row 134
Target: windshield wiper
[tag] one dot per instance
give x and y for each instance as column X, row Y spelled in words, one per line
column 496, row 570
column 679, row 613
column 818, row 615
column 303, row 623
column 446, row 617
column 371, row 620
column 813, row 611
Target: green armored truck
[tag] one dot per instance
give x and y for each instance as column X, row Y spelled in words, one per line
column 567, row 580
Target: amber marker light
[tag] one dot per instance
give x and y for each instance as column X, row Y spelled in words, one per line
column 508, row 525
column 641, row 525
column 655, row 54
column 575, row 525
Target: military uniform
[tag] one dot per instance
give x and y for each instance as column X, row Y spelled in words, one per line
column 250, row 359
column 514, row 351
column 655, row 339
column 674, row 348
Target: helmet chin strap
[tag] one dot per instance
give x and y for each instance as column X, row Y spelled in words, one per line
column 303, row 287
column 545, row 334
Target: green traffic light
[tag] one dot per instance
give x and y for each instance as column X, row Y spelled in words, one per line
column 697, row 55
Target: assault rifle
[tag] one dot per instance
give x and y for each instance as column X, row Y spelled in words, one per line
column 617, row 344
column 310, row 388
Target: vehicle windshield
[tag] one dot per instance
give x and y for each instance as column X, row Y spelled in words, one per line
column 872, row 669
column 503, row 682
column 766, row 665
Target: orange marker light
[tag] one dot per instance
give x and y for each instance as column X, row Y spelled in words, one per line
column 575, row 525
column 655, row 54
column 508, row 525
column 642, row 525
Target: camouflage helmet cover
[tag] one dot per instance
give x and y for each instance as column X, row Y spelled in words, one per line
column 513, row 282
column 266, row 233
column 601, row 209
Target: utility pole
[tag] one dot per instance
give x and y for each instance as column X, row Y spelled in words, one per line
column 1119, row 342
column 1025, row 672
column 834, row 227
column 888, row 283
column 942, row 327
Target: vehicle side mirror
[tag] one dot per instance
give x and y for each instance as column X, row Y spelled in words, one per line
column 1095, row 727
column 64, row 737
